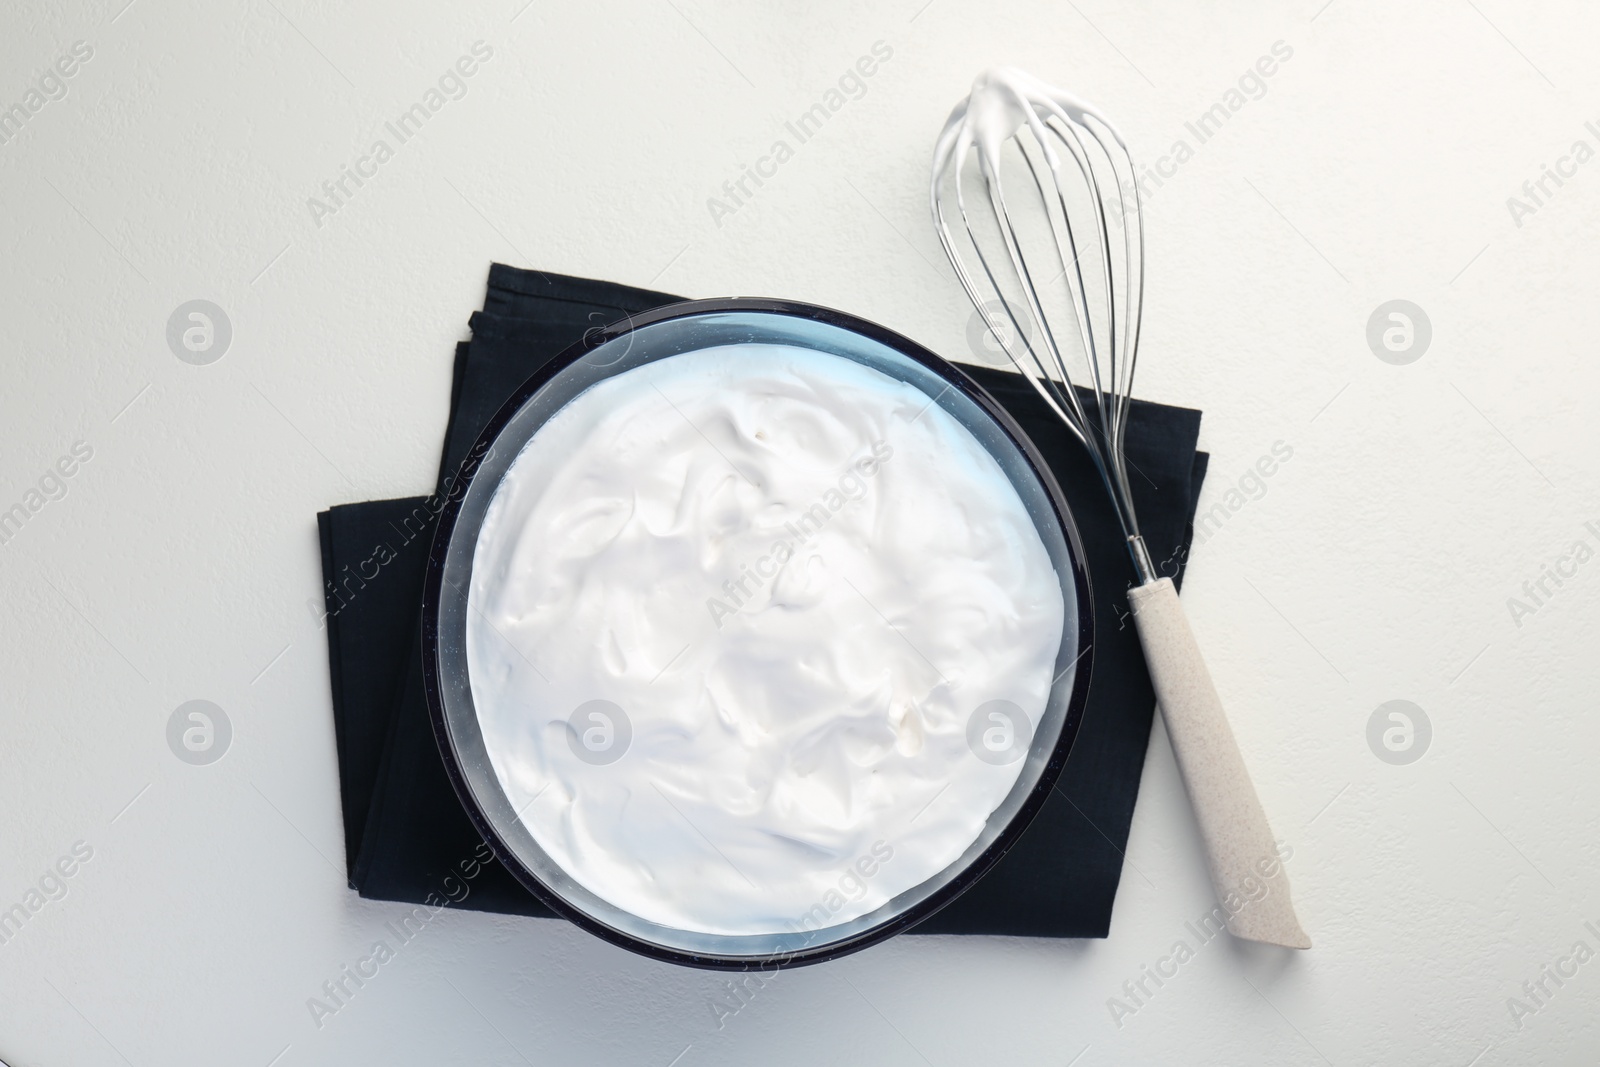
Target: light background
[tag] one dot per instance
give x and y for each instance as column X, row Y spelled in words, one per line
column 1377, row 565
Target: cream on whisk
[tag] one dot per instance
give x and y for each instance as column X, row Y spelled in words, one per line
column 1002, row 101
column 732, row 615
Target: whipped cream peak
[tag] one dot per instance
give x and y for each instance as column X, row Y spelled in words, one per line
column 1003, row 100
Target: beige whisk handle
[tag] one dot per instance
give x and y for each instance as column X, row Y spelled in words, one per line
column 1246, row 868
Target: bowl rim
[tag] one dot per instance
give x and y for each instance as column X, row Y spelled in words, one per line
column 455, row 497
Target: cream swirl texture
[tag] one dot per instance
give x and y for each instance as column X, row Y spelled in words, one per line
column 731, row 615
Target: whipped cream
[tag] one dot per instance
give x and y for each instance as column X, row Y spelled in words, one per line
column 733, row 615
column 1002, row 101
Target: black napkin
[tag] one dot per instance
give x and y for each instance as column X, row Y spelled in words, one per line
column 406, row 835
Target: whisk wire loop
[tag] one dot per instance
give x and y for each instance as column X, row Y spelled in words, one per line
column 1106, row 307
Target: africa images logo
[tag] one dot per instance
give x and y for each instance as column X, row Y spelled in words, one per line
column 451, row 85
column 811, row 522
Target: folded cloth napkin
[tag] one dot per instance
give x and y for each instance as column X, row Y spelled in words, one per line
column 407, row 837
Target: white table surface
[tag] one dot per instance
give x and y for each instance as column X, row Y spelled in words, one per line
column 1377, row 565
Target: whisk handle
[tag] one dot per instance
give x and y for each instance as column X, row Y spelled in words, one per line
column 1240, row 849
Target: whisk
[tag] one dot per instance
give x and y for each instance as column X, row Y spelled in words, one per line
column 1076, row 177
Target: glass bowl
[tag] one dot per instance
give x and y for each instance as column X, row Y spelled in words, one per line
column 659, row 334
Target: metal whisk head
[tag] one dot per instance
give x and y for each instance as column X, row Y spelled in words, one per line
column 1061, row 291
